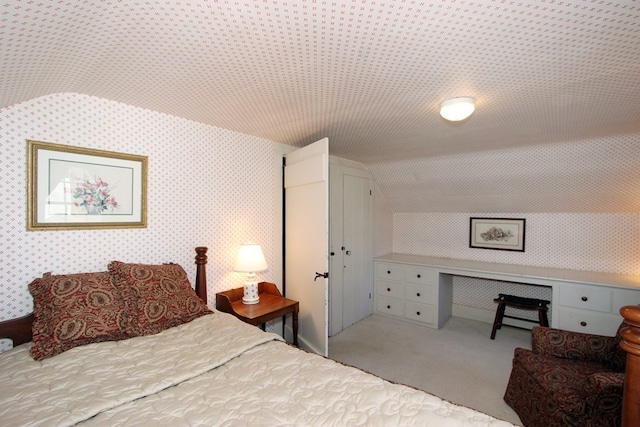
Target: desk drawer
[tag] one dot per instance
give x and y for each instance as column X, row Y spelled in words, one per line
column 389, row 306
column 389, row 289
column 420, row 312
column 389, row 271
column 589, row 322
column 422, row 275
column 420, row 293
column 585, row 297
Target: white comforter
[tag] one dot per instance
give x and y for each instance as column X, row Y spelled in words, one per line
column 214, row 370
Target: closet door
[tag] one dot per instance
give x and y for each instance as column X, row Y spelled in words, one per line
column 351, row 247
column 358, row 254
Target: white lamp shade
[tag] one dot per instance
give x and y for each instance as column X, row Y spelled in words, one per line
column 250, row 259
column 457, row 109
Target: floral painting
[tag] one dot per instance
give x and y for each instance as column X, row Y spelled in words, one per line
column 73, row 187
column 497, row 233
column 95, row 196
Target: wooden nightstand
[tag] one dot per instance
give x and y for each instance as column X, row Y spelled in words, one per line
column 272, row 304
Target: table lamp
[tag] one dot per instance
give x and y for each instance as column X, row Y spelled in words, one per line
column 250, row 260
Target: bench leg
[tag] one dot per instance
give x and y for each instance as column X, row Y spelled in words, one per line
column 543, row 319
column 497, row 322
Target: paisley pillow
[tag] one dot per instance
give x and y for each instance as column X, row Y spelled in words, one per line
column 75, row 309
column 158, row 296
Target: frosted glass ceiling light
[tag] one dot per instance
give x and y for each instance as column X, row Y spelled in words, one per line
column 456, row 109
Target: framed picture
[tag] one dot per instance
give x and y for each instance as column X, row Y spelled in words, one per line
column 506, row 234
column 80, row 188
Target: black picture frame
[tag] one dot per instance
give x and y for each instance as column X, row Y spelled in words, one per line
column 503, row 234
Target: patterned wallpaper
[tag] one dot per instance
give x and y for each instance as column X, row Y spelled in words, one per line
column 597, row 175
column 206, row 187
column 592, row 242
column 217, row 188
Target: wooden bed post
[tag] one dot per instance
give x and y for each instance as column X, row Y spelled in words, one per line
column 631, row 344
column 201, row 273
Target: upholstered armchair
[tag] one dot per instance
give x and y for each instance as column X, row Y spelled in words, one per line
column 568, row 379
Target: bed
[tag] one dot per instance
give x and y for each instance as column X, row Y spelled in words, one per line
column 209, row 368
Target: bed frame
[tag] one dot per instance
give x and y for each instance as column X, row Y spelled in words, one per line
column 631, row 344
column 19, row 330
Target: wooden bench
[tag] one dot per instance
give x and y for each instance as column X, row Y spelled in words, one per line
column 504, row 301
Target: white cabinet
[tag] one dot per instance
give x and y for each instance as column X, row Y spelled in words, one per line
column 412, row 293
column 585, row 297
column 390, row 289
column 392, row 306
column 389, row 286
column 592, row 309
column 419, row 289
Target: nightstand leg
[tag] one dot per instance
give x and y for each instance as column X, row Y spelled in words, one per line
column 284, row 322
column 294, row 316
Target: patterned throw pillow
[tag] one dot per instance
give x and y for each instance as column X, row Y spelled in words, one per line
column 158, row 296
column 75, row 309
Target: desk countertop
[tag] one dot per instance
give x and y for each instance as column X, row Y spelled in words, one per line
column 461, row 266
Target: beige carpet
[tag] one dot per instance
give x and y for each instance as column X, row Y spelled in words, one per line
column 458, row 362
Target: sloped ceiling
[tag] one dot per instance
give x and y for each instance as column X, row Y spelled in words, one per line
column 554, row 81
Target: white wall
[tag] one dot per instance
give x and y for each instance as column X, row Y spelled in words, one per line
column 206, row 187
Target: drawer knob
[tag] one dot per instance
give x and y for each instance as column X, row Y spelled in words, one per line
column 388, row 307
column 388, row 271
column 388, row 289
column 417, row 294
column 418, row 313
column 418, row 276
column 584, row 299
column 583, row 323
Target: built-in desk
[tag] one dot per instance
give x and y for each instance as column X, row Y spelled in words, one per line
column 419, row 289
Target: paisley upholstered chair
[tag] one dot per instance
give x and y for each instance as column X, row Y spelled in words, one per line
column 568, row 379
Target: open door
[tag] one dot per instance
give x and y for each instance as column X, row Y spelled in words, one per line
column 306, row 182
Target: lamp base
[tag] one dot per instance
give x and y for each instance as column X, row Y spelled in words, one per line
column 251, row 291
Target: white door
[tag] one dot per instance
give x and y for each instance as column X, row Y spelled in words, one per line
column 306, row 182
column 358, row 250
column 336, row 248
column 351, row 246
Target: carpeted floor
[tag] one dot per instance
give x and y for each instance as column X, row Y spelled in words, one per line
column 458, row 362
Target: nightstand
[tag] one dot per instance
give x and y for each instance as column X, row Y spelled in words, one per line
column 272, row 304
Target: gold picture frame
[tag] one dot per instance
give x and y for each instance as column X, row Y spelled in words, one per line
column 74, row 188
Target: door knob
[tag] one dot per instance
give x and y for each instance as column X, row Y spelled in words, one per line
column 323, row 275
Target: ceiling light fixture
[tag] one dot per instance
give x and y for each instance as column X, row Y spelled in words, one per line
column 456, row 109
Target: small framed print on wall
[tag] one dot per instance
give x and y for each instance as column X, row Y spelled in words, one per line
column 81, row 188
column 506, row 234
